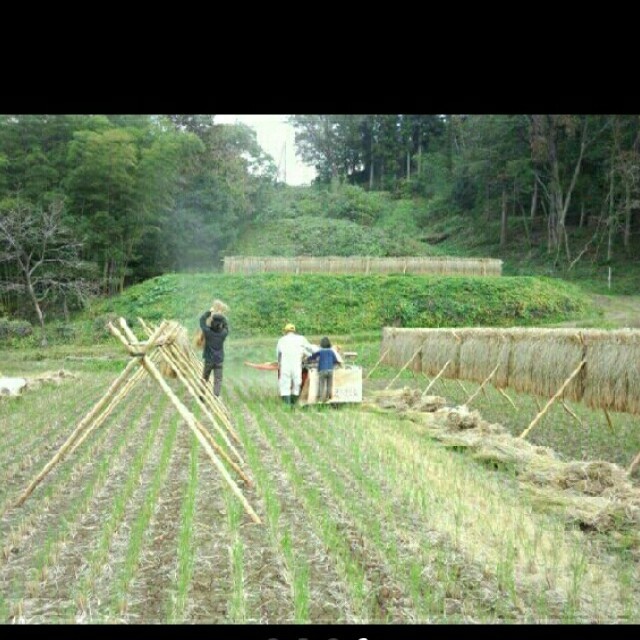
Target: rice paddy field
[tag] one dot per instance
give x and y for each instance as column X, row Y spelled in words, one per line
column 367, row 517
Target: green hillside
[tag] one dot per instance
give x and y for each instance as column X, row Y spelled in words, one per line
column 338, row 305
column 320, row 236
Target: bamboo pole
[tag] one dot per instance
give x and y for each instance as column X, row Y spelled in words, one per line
column 131, row 382
column 81, row 425
column 571, row 413
column 608, row 417
column 215, row 404
column 115, row 332
column 192, row 366
column 201, row 387
column 481, row 387
column 133, row 339
column 446, row 364
column 466, row 393
column 407, row 363
column 183, row 379
column 504, row 393
column 191, row 422
column 375, row 366
column 139, row 349
column 557, row 394
column 634, row 464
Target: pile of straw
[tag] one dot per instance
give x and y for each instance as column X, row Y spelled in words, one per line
column 54, row 377
column 182, row 342
column 408, row 399
column 595, row 495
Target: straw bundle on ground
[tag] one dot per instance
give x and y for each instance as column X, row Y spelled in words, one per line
column 406, row 398
column 612, row 374
column 592, row 478
column 461, row 418
column 596, row 495
column 51, row 376
column 594, row 513
column 417, row 265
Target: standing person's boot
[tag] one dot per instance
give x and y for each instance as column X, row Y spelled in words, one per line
column 286, row 399
column 294, row 399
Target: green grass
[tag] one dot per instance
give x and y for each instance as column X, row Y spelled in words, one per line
column 526, row 254
column 318, row 304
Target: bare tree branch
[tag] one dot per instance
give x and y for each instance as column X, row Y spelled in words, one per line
column 46, row 256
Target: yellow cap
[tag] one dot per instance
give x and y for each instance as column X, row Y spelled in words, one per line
column 289, row 327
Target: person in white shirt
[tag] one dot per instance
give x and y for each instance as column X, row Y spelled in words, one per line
column 291, row 349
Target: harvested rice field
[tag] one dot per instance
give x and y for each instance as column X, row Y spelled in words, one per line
column 402, row 510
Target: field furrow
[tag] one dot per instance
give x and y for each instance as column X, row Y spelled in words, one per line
column 366, row 518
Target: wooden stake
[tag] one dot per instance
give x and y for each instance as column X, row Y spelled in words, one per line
column 131, row 382
column 201, row 389
column 191, row 422
column 571, row 413
column 406, row 364
column 375, row 366
column 76, row 432
column 462, row 386
column 634, row 464
column 609, row 422
column 558, row 393
column 446, row 364
column 133, row 339
column 183, row 379
column 481, row 387
column 195, row 366
column 504, row 393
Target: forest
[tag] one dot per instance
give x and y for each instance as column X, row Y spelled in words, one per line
column 90, row 204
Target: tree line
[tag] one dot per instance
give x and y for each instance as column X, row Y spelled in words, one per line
column 559, row 171
column 91, row 203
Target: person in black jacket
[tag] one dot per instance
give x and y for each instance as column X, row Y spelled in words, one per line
column 215, row 329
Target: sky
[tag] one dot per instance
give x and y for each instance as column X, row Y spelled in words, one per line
column 276, row 137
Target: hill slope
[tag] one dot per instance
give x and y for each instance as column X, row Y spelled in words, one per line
column 261, row 304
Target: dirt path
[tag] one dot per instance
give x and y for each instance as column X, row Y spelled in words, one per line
column 623, row 311
column 613, row 312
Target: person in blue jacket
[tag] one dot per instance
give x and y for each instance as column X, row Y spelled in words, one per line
column 327, row 360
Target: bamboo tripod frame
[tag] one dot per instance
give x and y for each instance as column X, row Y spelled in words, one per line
column 161, row 346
